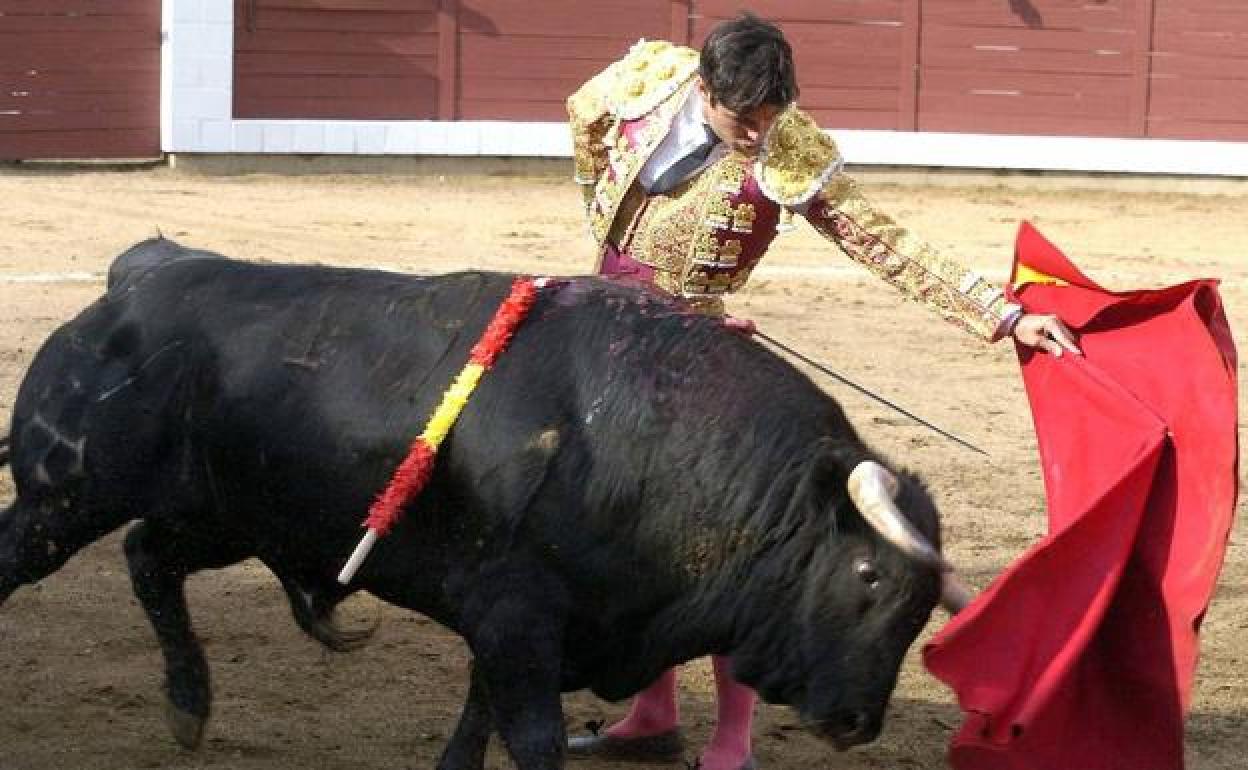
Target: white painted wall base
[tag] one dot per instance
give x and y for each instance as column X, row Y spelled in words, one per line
column 197, row 98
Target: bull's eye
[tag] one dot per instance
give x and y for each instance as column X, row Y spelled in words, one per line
column 867, row 574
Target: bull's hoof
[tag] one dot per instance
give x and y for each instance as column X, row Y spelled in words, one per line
column 187, row 729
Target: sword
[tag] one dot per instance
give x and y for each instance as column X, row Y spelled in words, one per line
column 878, row 399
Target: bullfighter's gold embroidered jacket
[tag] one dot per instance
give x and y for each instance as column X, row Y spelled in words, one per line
column 705, row 236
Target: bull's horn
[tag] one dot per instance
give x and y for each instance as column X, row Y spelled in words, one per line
column 872, row 487
column 954, row 594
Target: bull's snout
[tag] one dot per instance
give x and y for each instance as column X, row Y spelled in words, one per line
column 849, row 728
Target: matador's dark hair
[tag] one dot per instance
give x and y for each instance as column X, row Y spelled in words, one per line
column 746, row 63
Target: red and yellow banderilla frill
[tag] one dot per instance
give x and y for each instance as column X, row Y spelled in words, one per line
column 413, row 473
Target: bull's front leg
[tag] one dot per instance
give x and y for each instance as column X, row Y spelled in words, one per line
column 466, row 749
column 516, row 635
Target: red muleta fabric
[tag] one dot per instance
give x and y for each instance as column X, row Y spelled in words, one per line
column 1081, row 655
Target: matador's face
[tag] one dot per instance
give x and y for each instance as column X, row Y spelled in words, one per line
column 743, row 131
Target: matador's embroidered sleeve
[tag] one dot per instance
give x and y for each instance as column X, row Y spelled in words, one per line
column 800, row 167
column 840, row 212
column 590, row 117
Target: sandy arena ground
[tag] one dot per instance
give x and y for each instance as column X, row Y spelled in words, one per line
column 79, row 666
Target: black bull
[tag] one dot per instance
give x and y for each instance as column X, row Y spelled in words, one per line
column 630, row 487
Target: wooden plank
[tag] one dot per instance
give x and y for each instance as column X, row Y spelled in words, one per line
column 528, row 67
column 78, row 145
column 847, row 119
column 647, row 18
column 1089, row 86
column 1141, row 61
column 1198, row 99
column 1023, row 124
column 1194, row 65
column 78, row 41
column 806, row 37
column 381, row 6
column 80, row 121
column 1178, row 18
column 53, row 60
column 908, row 66
column 414, row 106
column 320, row 64
column 1049, row 14
column 1008, row 59
column 104, row 102
column 864, row 12
column 342, row 22
column 345, row 87
column 1227, row 46
column 75, row 24
column 976, row 104
column 680, row 12
column 79, row 7
column 448, row 59
column 314, row 42
column 516, row 89
column 599, row 51
column 847, row 98
column 1179, row 128
column 937, row 36
column 864, row 73
column 513, row 109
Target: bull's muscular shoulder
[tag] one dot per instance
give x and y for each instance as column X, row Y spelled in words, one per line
column 650, row 73
column 797, row 159
column 145, row 256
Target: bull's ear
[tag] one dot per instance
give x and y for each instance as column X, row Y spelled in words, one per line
column 821, row 488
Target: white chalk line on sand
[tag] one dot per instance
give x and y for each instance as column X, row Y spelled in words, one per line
column 75, row 277
column 827, row 271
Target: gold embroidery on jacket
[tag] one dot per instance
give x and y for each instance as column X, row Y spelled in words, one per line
column 743, row 218
column 958, row 294
column 676, row 232
column 796, row 159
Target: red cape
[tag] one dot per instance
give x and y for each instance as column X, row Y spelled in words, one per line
column 1080, row 656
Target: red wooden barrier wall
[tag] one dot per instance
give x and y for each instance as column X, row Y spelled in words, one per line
column 520, row 61
column 1034, row 66
column 1127, row 68
column 79, row 79
column 854, row 59
column 350, row 59
column 1200, row 70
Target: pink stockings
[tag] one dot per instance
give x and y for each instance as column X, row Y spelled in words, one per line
column 655, row 710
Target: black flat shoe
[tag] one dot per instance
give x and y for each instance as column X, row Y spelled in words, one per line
column 663, row 747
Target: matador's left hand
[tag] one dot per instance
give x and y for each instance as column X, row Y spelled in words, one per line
column 1046, row 332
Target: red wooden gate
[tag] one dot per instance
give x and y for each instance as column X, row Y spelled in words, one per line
column 79, row 79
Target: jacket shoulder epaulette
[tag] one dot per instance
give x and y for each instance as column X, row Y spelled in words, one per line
column 650, row 73
column 797, row 159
